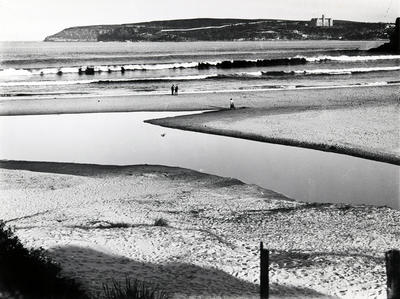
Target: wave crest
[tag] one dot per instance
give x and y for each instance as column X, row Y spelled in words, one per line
column 222, row 64
column 345, row 58
column 239, row 76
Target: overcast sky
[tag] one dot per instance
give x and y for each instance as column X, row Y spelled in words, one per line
column 35, row 19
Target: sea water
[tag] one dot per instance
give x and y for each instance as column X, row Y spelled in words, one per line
column 53, row 69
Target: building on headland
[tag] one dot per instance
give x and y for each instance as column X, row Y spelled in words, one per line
column 322, row 22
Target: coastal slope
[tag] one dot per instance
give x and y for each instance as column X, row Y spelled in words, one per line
column 209, row 29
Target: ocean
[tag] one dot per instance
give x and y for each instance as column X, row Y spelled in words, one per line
column 56, row 69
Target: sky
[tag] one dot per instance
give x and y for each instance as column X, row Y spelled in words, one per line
column 35, row 19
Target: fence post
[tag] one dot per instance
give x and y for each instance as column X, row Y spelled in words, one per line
column 392, row 258
column 264, row 275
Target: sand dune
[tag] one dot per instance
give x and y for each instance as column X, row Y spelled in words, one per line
column 98, row 223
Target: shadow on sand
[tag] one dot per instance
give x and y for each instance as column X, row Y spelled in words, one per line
column 178, row 280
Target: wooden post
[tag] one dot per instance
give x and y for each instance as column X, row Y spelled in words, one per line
column 264, row 269
column 393, row 273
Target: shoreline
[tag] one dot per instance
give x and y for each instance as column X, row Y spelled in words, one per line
column 363, row 153
column 97, row 222
column 261, row 106
column 269, row 98
column 78, row 95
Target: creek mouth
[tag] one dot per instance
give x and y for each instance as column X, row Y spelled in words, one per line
column 125, row 139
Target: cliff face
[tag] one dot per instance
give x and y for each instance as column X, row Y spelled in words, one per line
column 87, row 34
column 224, row 30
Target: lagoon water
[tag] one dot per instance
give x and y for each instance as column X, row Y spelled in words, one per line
column 124, row 139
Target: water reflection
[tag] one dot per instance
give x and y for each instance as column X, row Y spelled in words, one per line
column 123, row 139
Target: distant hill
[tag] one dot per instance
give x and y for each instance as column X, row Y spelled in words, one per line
column 224, row 30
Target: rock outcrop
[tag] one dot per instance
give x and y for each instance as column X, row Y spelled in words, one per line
column 84, row 33
column 393, row 46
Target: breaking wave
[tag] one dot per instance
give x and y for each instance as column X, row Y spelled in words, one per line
column 222, row 64
column 239, row 76
column 90, row 70
column 345, row 58
column 328, row 72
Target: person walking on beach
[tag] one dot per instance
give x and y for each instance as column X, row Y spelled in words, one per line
column 232, row 104
column 176, row 89
column 172, row 89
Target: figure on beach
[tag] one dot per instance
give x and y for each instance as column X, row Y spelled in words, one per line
column 232, row 104
column 176, row 89
column 172, row 89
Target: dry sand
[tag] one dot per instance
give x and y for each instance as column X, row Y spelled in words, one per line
column 97, row 222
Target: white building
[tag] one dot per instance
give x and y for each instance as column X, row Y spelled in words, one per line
column 322, row 22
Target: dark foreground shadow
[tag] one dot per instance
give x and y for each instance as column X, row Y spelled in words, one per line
column 178, row 280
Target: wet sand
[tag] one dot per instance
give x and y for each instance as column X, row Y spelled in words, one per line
column 359, row 121
column 98, row 223
column 368, row 131
column 300, row 98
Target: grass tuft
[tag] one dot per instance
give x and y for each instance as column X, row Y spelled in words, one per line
column 160, row 222
column 110, row 225
column 132, row 290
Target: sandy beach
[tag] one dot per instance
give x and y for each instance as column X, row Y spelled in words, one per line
column 359, row 121
column 265, row 99
column 368, row 130
column 98, row 223
column 154, row 148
